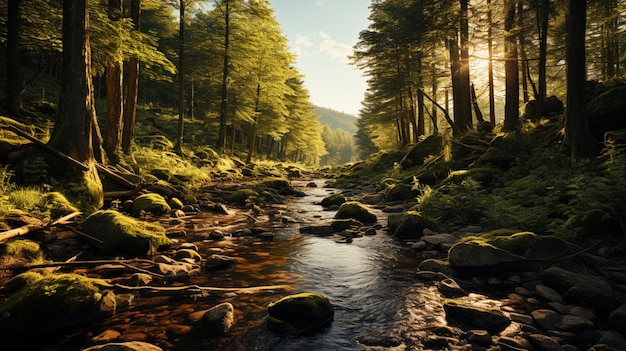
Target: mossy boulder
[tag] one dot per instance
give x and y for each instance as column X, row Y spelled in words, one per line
column 591, row 290
column 176, row 203
column 606, row 112
column 500, row 251
column 52, row 302
column 150, row 203
column 333, row 200
column 401, row 192
column 275, row 183
column 242, row 196
column 355, row 210
column 124, row 235
column 432, row 145
column 57, row 204
column 410, row 225
column 304, row 312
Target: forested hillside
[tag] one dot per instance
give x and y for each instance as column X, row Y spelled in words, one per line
column 338, row 131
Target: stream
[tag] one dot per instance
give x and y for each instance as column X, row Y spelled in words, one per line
column 371, row 283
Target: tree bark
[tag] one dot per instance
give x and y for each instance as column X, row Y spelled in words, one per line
column 115, row 102
column 492, row 101
column 511, row 69
column 73, row 132
column 577, row 134
column 132, row 86
column 178, row 148
column 544, row 15
column 466, row 104
column 13, row 102
column 221, row 142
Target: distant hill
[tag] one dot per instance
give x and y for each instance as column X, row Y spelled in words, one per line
column 336, row 120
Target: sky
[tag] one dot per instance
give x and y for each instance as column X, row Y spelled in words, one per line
column 322, row 34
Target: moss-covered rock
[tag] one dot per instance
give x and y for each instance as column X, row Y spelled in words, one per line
column 410, row 225
column 175, row 203
column 57, row 204
column 401, row 192
column 242, row 196
column 150, row 203
column 52, row 302
column 304, row 312
column 432, row 145
column 124, row 235
column 333, row 200
column 594, row 291
column 275, row 183
column 23, row 248
column 355, row 210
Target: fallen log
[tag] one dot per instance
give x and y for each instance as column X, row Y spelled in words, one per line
column 200, row 290
column 29, row 228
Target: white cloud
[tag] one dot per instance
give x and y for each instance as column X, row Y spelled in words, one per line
column 334, row 48
column 320, row 3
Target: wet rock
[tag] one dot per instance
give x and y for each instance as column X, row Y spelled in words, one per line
column 355, row 210
column 178, row 271
column 304, row 312
column 215, row 262
column 401, row 192
column 333, row 200
column 345, row 224
column 470, row 317
column 602, row 347
column 318, row 230
column 594, row 291
column 176, row 204
column 547, row 319
column 548, row 293
column 440, row 240
column 372, row 199
column 574, row 323
column 450, row 288
column 106, row 336
column 243, row 196
column 410, row 225
column 125, row 346
column 187, row 253
column 545, row 343
column 436, row 265
column 479, row 337
column 559, row 307
column 521, row 318
column 369, row 232
column 613, row 339
column 216, row 235
column 516, row 343
column 617, row 319
column 219, row 319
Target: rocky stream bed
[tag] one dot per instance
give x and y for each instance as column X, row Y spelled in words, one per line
column 229, row 260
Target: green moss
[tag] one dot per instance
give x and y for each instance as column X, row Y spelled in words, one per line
column 355, row 210
column 333, row 200
column 302, row 311
column 21, row 280
column 123, row 234
column 385, row 184
column 243, row 196
column 23, row 248
column 275, row 183
column 57, row 204
column 410, row 224
column 50, row 295
column 176, row 203
column 150, row 203
column 401, row 192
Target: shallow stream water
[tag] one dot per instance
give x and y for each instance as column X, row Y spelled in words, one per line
column 371, row 282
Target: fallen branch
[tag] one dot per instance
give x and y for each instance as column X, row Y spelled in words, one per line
column 29, row 228
column 199, row 290
column 80, row 263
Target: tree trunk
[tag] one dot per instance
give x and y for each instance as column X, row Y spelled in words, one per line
column 132, row 86
column 255, row 124
column 221, row 142
column 544, row 15
column 115, row 99
column 466, row 104
column 511, row 70
column 455, row 66
column 13, row 102
column 72, row 133
column 178, row 148
column 577, row 134
column 492, row 101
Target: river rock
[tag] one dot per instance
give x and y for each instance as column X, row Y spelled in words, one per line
column 474, row 256
column 613, row 339
column 547, row 319
column 515, row 343
column 545, row 343
column 187, row 253
column 450, row 288
column 440, row 240
column 401, row 192
column 178, row 271
column 215, row 261
column 333, row 200
column 125, row 346
column 581, row 288
column 480, row 337
column 304, row 312
column 355, row 210
column 548, row 293
column 436, row 265
column 219, row 319
column 471, row 317
column 150, row 203
column 617, row 319
column 410, row 225
column 574, row 323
